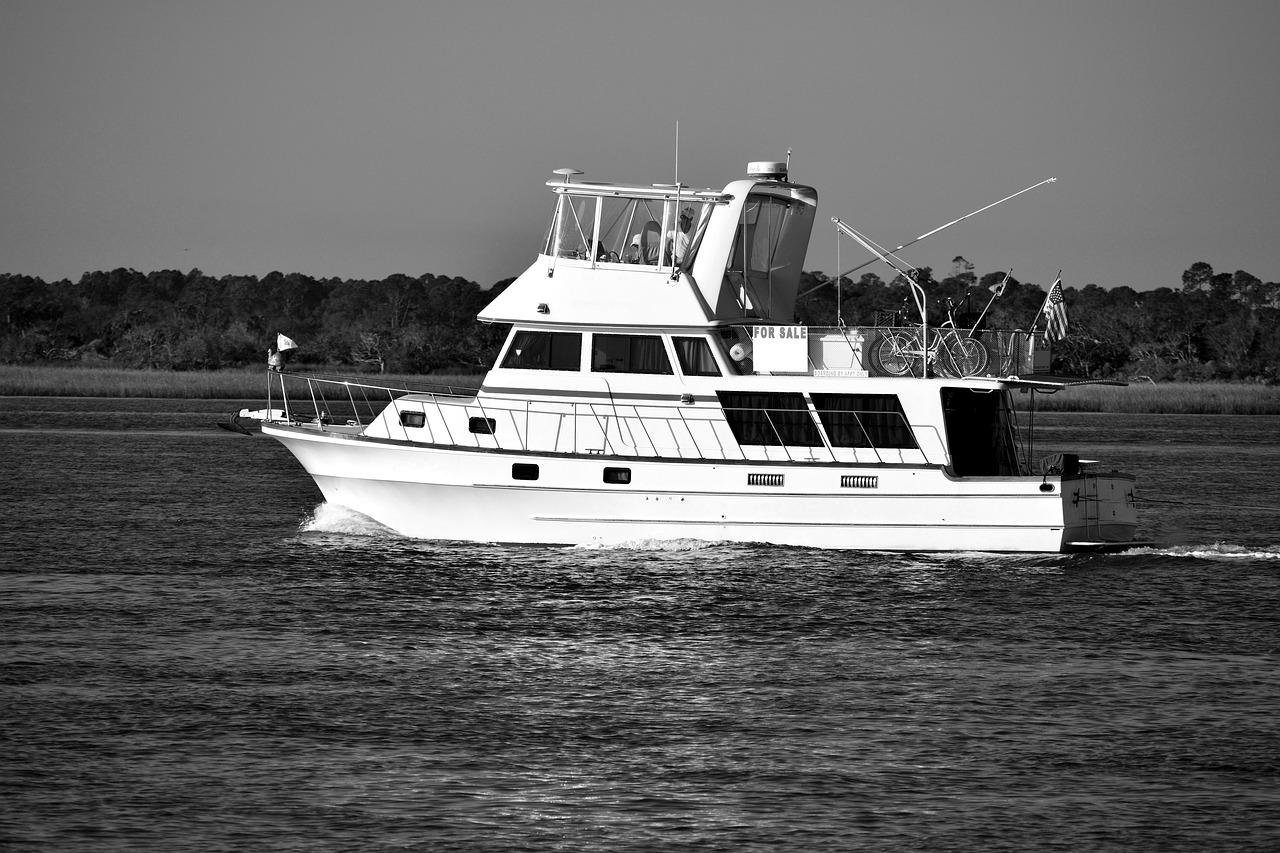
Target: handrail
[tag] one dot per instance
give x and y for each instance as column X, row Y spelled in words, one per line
column 648, row 430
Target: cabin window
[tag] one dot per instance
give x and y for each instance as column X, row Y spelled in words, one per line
column 649, row 231
column 695, row 357
column 629, row 354
column 770, row 419
column 980, row 433
column 524, row 471
column 864, row 420
column 481, row 426
column 544, row 351
column 417, row 420
column 617, row 476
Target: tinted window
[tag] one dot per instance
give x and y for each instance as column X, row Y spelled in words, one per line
column 545, row 351
column 629, row 354
column 771, row 419
column 864, row 420
column 695, row 357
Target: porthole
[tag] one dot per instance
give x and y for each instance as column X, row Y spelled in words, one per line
column 417, row 420
column 524, row 471
column 482, row 426
column 619, row 476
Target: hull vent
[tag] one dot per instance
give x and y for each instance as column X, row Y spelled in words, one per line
column 764, row 479
column 859, row 481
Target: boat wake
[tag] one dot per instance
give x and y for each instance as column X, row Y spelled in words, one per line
column 334, row 518
column 1216, row 551
column 650, row 545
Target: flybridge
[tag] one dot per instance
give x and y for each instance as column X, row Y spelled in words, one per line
column 664, row 255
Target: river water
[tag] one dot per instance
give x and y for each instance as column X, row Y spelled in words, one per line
column 199, row 655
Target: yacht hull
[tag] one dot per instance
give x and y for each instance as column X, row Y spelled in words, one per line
column 468, row 494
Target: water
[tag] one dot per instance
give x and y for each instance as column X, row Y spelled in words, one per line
column 198, row 655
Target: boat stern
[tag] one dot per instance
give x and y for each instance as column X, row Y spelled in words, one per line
column 1100, row 512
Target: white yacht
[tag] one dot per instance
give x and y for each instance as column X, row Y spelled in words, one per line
column 655, row 385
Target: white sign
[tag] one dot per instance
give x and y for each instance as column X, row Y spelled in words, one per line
column 780, row 349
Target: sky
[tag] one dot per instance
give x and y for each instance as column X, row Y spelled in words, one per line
column 358, row 140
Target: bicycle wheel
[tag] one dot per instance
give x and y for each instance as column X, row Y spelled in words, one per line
column 968, row 356
column 894, row 354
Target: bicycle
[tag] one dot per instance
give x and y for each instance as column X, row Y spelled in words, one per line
column 950, row 353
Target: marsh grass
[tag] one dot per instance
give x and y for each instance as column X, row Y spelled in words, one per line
column 1217, row 398
column 56, row 381
column 1174, row 398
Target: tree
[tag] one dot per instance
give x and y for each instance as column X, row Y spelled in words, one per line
column 1197, row 277
column 962, row 270
column 370, row 349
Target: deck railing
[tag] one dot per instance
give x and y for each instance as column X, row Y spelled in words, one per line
column 659, row 430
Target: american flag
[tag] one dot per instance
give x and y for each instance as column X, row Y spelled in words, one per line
column 1055, row 313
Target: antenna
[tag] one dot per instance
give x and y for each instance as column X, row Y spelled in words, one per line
column 675, row 267
column 677, row 154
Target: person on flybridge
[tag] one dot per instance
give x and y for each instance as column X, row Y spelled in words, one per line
column 644, row 246
column 633, row 251
column 682, row 237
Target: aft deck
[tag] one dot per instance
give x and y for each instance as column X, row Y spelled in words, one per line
column 897, row 351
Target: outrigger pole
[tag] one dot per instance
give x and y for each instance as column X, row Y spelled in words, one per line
column 934, row 231
column 912, row 279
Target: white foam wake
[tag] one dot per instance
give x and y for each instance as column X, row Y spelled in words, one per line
column 649, row 545
column 1216, row 551
column 334, row 518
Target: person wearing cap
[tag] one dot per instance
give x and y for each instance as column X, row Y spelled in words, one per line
column 682, row 236
column 633, row 251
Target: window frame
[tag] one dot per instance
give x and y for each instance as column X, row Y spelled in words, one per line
column 708, row 350
column 786, row 423
column 632, row 356
column 555, row 358
column 862, row 421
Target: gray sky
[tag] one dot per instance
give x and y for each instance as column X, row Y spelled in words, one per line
column 362, row 139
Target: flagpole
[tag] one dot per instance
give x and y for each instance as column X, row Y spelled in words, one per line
column 1048, row 301
column 996, row 293
column 1043, row 306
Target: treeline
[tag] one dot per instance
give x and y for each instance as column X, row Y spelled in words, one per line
column 172, row 320
column 1215, row 326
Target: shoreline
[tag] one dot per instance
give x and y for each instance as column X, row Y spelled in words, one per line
column 1183, row 398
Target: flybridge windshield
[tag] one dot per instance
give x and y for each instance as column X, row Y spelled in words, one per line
column 617, row 229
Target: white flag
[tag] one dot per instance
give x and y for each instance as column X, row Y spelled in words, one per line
column 283, row 344
column 998, row 289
